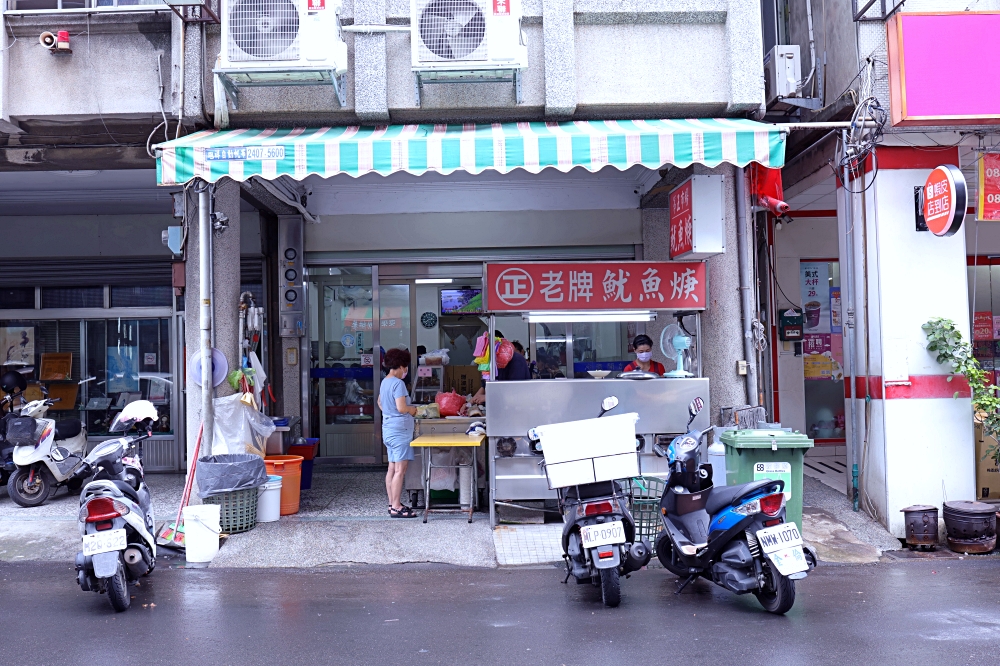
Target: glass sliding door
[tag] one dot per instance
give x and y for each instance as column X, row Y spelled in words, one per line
column 343, row 379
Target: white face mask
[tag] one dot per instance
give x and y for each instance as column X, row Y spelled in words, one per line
column 644, row 356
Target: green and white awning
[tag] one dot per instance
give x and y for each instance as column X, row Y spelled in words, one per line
column 593, row 145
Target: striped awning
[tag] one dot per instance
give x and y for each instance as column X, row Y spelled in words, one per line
column 593, row 145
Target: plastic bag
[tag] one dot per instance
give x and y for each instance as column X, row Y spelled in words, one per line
column 226, row 473
column 443, row 478
column 505, row 352
column 239, row 428
column 449, row 404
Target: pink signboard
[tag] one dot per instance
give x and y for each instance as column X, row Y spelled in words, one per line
column 938, row 66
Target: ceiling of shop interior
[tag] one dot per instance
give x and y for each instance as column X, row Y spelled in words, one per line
column 820, row 196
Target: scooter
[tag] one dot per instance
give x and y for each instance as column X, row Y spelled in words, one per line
column 734, row 536
column 13, row 385
column 47, row 453
column 116, row 511
column 598, row 536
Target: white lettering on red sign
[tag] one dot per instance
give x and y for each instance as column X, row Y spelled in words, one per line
column 515, row 287
column 581, row 286
column 683, row 285
column 501, row 7
column 650, row 285
column 681, row 221
column 614, row 287
column 989, row 186
column 552, row 283
column 317, row 5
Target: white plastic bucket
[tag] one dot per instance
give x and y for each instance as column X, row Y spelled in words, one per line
column 201, row 532
column 465, row 486
column 269, row 500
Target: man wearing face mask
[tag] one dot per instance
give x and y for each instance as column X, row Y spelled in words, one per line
column 643, row 346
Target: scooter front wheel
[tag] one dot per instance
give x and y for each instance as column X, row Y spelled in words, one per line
column 611, row 588
column 778, row 593
column 27, row 489
column 117, row 588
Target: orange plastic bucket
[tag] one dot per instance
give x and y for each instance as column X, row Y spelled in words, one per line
column 289, row 468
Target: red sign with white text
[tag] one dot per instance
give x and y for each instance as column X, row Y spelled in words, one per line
column 989, row 186
column 316, row 5
column 603, row 285
column 681, row 220
column 501, row 7
column 944, row 200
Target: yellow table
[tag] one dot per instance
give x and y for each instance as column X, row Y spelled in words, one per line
column 447, row 441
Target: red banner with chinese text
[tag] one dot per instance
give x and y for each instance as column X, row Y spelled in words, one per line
column 598, row 285
column 681, row 221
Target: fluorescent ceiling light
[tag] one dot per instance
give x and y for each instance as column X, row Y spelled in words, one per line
column 433, row 280
column 594, row 316
column 557, row 339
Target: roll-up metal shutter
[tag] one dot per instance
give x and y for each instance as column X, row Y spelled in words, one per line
column 86, row 271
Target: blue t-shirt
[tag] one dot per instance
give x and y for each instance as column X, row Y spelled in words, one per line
column 394, row 421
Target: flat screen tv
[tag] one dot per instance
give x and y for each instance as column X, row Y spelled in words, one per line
column 461, row 301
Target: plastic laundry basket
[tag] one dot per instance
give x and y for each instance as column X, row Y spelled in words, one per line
column 289, row 468
column 646, row 494
column 237, row 509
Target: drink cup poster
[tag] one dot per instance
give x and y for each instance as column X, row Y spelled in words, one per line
column 815, row 283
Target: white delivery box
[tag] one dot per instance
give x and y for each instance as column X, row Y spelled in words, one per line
column 579, row 452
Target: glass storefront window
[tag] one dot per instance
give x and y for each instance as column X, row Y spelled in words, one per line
column 72, row 297
column 94, row 367
column 822, row 349
column 984, row 306
column 600, row 346
column 550, row 350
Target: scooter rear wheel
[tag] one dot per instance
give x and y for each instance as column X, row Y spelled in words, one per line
column 778, row 595
column 117, row 588
column 611, row 588
column 30, row 494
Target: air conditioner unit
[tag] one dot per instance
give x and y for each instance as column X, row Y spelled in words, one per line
column 282, row 40
column 782, row 73
column 466, row 37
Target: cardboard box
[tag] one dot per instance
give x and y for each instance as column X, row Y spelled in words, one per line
column 465, row 379
column 987, row 466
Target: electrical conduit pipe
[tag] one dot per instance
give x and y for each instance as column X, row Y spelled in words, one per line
column 746, row 303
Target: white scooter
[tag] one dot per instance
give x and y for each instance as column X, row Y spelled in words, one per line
column 116, row 511
column 47, row 454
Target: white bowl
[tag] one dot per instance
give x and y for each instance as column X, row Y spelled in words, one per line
column 598, row 374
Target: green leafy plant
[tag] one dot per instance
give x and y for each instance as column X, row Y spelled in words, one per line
column 951, row 348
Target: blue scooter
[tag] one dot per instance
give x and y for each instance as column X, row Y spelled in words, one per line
column 734, row 536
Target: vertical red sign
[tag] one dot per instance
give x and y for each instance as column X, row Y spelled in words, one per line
column 982, row 326
column 316, row 5
column 989, row 187
column 681, row 231
column 501, row 7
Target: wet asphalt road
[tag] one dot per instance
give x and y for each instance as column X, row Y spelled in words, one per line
column 921, row 612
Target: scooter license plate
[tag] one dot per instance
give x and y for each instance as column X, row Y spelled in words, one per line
column 779, row 537
column 592, row 536
column 104, row 542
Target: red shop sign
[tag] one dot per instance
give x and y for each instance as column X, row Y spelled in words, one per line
column 989, row 187
column 944, row 200
column 501, row 7
column 681, row 219
column 603, row 285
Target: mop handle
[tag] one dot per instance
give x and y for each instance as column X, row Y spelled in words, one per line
column 189, row 483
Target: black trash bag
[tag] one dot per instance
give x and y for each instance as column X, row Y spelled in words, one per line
column 229, row 472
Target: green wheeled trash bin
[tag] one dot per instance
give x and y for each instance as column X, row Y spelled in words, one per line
column 752, row 455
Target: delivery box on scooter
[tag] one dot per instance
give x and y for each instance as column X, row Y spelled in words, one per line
column 580, row 452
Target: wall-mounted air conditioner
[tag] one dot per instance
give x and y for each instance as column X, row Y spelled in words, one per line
column 782, row 72
column 281, row 43
column 457, row 41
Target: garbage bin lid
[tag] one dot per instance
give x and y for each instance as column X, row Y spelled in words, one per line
column 765, row 439
column 919, row 507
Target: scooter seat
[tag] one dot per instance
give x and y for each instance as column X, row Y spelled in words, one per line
column 128, row 490
column 68, row 428
column 723, row 496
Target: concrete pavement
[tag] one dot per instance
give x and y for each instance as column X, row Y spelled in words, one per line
column 913, row 612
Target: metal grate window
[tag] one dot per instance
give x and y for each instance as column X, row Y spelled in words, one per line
column 72, row 297
column 17, row 298
column 141, row 297
column 452, row 30
column 263, row 30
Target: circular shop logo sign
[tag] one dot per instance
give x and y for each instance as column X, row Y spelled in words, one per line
column 514, row 287
column 944, row 200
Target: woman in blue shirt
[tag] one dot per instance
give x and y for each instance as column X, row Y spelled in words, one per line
column 397, row 428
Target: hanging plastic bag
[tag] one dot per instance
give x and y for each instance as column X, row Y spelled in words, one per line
column 239, row 428
column 443, row 478
column 449, row 404
column 505, row 352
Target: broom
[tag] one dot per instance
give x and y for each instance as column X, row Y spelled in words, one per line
column 172, row 534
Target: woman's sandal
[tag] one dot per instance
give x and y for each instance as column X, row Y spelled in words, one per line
column 405, row 512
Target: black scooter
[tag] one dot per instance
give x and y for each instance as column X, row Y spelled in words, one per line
column 598, row 536
column 734, row 536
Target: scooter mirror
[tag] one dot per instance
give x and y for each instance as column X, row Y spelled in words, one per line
column 609, row 403
column 695, row 407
